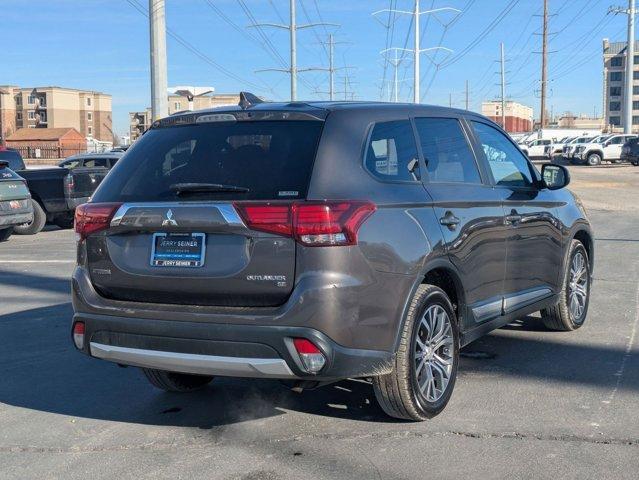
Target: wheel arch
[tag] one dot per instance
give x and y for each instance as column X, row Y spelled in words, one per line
column 585, row 237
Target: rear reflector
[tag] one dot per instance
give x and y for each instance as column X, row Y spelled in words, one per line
column 93, row 217
column 311, row 356
column 310, row 223
column 78, row 335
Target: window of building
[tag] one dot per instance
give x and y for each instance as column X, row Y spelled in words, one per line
column 635, row 75
column 507, row 164
column 615, row 106
column 635, row 120
column 618, row 61
column 31, row 99
column 446, row 151
column 615, row 76
column 18, row 99
column 31, row 115
column 89, row 116
column 635, row 105
column 616, row 91
column 19, row 116
column 390, row 150
column 615, row 121
column 635, row 90
column 43, row 117
column 90, row 130
column 88, row 101
column 176, row 106
column 636, row 59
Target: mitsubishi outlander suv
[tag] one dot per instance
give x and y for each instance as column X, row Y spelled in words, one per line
column 317, row 241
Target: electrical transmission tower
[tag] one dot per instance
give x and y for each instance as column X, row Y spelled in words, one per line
column 417, row 50
column 630, row 55
column 292, row 27
column 331, row 65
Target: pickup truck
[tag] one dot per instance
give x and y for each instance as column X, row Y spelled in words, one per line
column 601, row 149
column 535, row 148
column 556, row 147
column 15, row 201
column 55, row 191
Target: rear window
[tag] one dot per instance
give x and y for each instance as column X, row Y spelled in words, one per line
column 14, row 159
column 13, row 190
column 273, row 159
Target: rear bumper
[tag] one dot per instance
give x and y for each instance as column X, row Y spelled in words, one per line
column 221, row 349
column 14, row 219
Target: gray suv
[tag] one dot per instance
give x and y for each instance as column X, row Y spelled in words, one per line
column 314, row 241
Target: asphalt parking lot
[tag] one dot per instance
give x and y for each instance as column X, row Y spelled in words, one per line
column 529, row 403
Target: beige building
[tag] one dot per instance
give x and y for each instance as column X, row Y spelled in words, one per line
column 614, row 56
column 569, row 120
column 56, row 107
column 519, row 118
column 140, row 121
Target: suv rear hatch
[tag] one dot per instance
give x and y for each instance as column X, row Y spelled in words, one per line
column 191, row 214
column 14, row 194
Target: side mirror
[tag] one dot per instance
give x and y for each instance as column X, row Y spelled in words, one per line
column 554, row 176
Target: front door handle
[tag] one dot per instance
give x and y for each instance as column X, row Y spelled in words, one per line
column 450, row 220
column 513, row 218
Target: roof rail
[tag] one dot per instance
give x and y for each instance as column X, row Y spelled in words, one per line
column 248, row 100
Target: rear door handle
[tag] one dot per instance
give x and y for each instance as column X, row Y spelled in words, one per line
column 450, row 220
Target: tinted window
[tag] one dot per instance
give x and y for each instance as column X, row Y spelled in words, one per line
column 95, row 162
column 507, row 164
column 390, row 149
column 70, row 163
column 446, row 151
column 14, row 159
column 273, row 159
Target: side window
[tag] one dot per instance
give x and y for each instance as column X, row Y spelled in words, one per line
column 95, row 162
column 446, row 151
column 390, row 150
column 507, row 164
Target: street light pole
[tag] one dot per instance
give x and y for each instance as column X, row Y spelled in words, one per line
column 630, row 63
column 159, row 82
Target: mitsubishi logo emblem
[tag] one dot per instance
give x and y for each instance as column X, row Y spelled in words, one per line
column 169, row 221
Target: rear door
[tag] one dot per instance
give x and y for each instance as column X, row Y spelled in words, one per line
column 469, row 211
column 533, row 231
column 159, row 229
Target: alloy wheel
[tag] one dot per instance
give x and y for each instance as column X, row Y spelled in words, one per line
column 578, row 287
column 434, row 350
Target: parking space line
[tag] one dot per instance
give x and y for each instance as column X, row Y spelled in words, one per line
column 36, row 261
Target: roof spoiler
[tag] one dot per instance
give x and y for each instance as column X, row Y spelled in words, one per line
column 248, row 100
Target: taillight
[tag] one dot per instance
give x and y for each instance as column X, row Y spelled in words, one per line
column 93, row 217
column 319, row 224
column 78, row 335
column 312, row 357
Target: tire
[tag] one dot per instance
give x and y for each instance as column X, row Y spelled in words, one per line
column 36, row 225
column 175, row 382
column 398, row 392
column 5, row 233
column 64, row 221
column 561, row 317
column 594, row 159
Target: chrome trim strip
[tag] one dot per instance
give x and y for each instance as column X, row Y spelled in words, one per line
column 194, row 363
column 227, row 210
column 487, row 310
column 517, row 300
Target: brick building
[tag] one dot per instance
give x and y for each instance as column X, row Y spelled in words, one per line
column 86, row 111
column 519, row 118
column 47, row 142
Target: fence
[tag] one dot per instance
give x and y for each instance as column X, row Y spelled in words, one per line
column 48, row 151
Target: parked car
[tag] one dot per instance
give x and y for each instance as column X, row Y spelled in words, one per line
column 91, row 160
column 15, row 201
column 536, row 148
column 630, row 151
column 556, row 147
column 313, row 242
column 55, row 191
column 569, row 149
column 601, row 149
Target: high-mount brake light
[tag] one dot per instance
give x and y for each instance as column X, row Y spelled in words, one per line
column 314, row 224
column 93, row 217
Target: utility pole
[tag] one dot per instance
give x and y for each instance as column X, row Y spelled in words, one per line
column 467, row 95
column 395, row 62
column 450, row 100
column 416, row 50
column 292, row 27
column 544, row 65
column 503, row 89
column 630, row 63
column 159, row 82
column 331, row 65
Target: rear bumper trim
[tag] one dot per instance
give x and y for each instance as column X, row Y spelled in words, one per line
column 194, row 363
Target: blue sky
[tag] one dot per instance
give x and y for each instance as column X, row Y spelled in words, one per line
column 103, row 45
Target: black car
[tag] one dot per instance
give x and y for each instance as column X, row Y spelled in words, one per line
column 318, row 241
column 92, row 160
column 630, row 151
column 15, row 201
column 55, row 191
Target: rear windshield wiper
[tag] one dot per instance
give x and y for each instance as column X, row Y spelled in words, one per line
column 186, row 188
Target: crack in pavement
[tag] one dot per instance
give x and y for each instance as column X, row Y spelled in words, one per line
column 198, row 442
